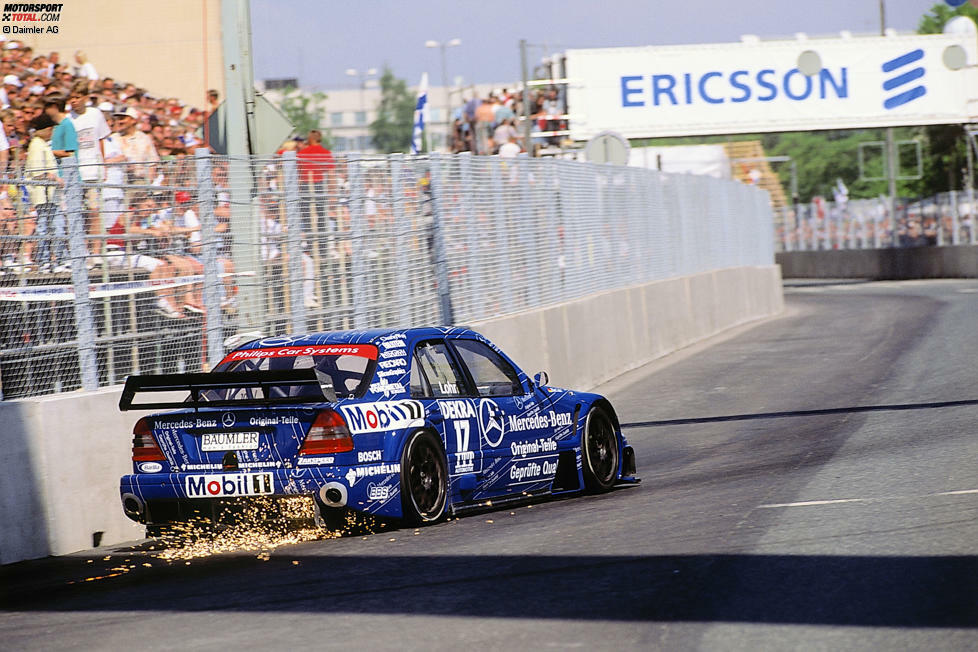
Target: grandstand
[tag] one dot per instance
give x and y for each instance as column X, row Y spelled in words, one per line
column 742, row 170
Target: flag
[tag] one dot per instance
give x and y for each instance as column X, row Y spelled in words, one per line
column 420, row 115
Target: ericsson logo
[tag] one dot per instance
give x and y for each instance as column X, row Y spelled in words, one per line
column 904, row 75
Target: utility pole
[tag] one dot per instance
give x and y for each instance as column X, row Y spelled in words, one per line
column 891, row 154
column 241, row 134
column 526, row 100
column 443, row 46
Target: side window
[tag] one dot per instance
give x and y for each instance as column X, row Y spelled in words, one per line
column 493, row 376
column 419, row 386
column 439, row 378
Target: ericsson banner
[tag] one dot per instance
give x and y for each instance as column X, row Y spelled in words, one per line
column 852, row 82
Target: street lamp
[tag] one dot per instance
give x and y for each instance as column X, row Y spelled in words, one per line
column 363, row 76
column 444, row 78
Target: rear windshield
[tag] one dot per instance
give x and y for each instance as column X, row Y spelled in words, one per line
column 348, row 368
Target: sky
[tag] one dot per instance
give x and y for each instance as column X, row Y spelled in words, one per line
column 316, row 41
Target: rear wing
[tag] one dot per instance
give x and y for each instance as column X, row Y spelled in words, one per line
column 197, row 383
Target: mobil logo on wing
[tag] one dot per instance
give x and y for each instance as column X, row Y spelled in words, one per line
column 385, row 415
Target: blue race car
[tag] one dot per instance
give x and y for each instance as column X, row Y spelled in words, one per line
column 404, row 424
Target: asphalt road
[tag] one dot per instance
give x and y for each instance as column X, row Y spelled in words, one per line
column 809, row 483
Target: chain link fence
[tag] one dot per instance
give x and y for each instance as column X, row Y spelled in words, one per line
column 944, row 219
column 161, row 268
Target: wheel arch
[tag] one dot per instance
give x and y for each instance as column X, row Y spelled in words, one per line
column 625, row 455
column 605, row 404
column 409, row 435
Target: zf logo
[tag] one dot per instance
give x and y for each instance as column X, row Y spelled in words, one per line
column 905, row 75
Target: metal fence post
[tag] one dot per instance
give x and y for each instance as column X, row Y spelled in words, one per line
column 402, row 231
column 208, row 248
column 473, row 237
column 78, row 251
column 955, row 219
column 500, row 228
column 973, row 217
column 244, row 228
column 438, row 227
column 551, row 242
column 293, row 243
column 357, row 235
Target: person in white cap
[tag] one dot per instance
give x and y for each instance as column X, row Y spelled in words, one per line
column 13, row 83
column 137, row 146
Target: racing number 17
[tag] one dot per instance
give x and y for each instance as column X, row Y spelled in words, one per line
column 464, row 460
column 461, row 435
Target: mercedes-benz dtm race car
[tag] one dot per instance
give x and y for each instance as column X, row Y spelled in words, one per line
column 404, row 424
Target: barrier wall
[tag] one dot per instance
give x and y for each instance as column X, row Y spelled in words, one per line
column 882, row 264
column 583, row 343
column 61, row 456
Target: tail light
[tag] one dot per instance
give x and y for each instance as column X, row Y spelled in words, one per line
column 144, row 446
column 327, row 434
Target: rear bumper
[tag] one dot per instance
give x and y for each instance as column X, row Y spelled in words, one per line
column 159, row 498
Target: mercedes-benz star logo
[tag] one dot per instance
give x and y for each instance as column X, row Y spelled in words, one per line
column 227, row 419
column 491, row 422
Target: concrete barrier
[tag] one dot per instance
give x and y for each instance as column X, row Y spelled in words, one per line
column 882, row 264
column 586, row 342
column 61, row 456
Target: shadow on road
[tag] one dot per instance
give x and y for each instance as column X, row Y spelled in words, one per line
column 802, row 413
column 779, row 589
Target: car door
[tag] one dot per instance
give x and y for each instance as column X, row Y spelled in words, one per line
column 519, row 451
column 437, row 380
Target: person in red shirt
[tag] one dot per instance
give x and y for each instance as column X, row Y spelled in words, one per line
column 316, row 165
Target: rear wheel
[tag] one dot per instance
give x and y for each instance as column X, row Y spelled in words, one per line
column 424, row 479
column 599, row 450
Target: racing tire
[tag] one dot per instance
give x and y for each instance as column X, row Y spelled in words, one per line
column 599, row 452
column 424, row 479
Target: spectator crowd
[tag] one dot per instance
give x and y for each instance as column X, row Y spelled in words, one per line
column 494, row 124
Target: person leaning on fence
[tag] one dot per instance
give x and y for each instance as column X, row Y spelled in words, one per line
column 186, row 233
column 158, row 223
column 92, row 130
column 315, row 168
column 42, row 167
column 272, row 234
column 132, row 254
column 137, row 146
column 10, row 227
column 64, row 140
column 113, row 195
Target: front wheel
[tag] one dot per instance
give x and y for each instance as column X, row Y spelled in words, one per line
column 599, row 450
column 424, row 479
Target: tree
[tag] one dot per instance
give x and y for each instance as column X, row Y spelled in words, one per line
column 946, row 143
column 306, row 112
column 394, row 126
column 933, row 22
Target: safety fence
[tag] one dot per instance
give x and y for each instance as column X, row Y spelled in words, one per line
column 944, row 219
column 161, row 268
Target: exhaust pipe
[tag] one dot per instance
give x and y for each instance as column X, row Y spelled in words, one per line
column 134, row 507
column 333, row 494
